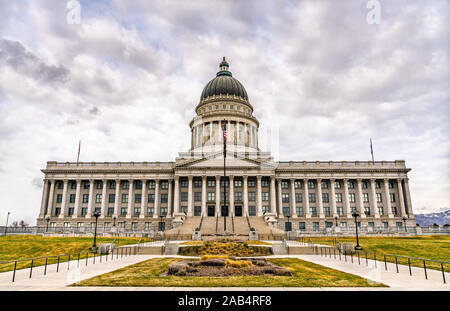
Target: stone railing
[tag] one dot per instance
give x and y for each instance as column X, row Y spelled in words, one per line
column 342, row 164
column 56, row 165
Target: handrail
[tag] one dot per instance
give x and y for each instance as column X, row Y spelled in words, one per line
column 248, row 222
column 201, row 222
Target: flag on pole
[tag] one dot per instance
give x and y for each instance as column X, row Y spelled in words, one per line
column 79, row 149
column 371, row 149
column 224, row 140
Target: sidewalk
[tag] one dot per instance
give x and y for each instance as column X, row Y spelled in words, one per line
column 375, row 271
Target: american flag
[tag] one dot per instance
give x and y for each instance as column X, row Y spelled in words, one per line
column 225, row 140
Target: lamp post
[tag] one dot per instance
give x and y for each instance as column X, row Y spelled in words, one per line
column 96, row 215
column 336, row 219
column 6, row 227
column 288, row 226
column 356, row 215
column 114, row 219
column 161, row 223
column 47, row 219
column 404, row 222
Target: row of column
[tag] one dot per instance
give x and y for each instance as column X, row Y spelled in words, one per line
column 210, row 133
column 48, row 195
column 275, row 197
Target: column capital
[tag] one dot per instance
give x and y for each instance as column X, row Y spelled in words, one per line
column 332, row 180
column 245, row 177
column 65, row 181
column 176, row 178
column 204, row 177
column 231, row 177
column 190, row 177
column 399, row 179
column 218, row 177
column 386, row 179
column 258, row 177
column 319, row 180
column 345, row 179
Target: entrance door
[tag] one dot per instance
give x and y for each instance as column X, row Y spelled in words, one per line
column 161, row 226
column 287, row 226
column 224, row 210
column 211, row 211
column 238, row 211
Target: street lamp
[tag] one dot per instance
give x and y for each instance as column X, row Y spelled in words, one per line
column 6, row 227
column 356, row 215
column 96, row 215
column 404, row 221
column 288, row 226
column 336, row 219
column 114, row 218
column 161, row 223
column 47, row 219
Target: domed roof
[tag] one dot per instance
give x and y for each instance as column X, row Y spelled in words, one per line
column 224, row 84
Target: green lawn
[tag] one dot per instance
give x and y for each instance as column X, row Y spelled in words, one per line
column 435, row 247
column 14, row 247
column 306, row 274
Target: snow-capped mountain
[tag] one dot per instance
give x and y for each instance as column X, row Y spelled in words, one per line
column 440, row 218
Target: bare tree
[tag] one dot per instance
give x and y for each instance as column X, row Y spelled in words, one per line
column 23, row 224
column 15, row 224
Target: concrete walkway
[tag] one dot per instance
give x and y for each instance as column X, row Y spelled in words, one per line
column 73, row 272
column 375, row 271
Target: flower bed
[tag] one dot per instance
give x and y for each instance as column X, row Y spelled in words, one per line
column 226, row 247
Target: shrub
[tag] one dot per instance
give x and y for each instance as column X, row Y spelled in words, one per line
column 238, row 263
column 206, row 257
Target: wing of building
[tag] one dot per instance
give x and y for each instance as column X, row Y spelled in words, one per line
column 255, row 191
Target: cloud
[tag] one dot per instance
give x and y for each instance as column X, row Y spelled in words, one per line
column 130, row 75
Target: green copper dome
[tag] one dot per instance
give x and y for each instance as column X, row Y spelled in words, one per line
column 224, row 84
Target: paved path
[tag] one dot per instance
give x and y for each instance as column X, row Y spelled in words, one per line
column 72, row 273
column 376, row 271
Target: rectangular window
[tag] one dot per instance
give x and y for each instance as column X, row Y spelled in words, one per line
column 302, row 226
column 366, row 210
column 57, row 211
column 351, row 185
column 163, row 197
column 72, row 198
column 326, row 211
column 151, row 184
column 285, row 197
column 184, row 197
column 343, row 224
column 392, row 197
column 112, row 185
column 137, row 198
column 324, row 185
column 364, row 185
column 124, row 198
column 147, row 226
column 251, row 196
column 211, row 183
column 315, row 226
column 58, row 198
column 73, row 185
column 134, row 226
column 380, row 210
column 125, row 184
column 197, row 183
column 238, row 196
column 151, row 198
column 99, row 184
column 340, row 211
column 379, row 200
column 264, row 183
column 337, row 185
column 298, row 198
column 352, row 198
column 222, row 196
column 60, row 185
column 385, row 224
column 197, row 196
column 251, row 183
column 85, row 198
column 265, row 196
column 312, row 197
column 123, row 211
column 311, row 184
column 338, row 197
column 325, row 198
column 222, row 182
column 98, row 210
column 183, row 183
column 98, row 198
column 85, row 185
column 284, row 184
column 150, row 211
column 238, row 183
column 83, row 211
column 377, row 184
column 399, row 224
column 299, row 211
column 394, row 210
column 265, row 209
column 112, row 198
column 110, row 211
column 252, row 210
column 371, row 224
column 138, row 184
column 137, row 211
column 165, row 185
column 391, row 185
column 365, row 197
column 297, row 184
column 313, row 211
column 211, row 196
column 70, row 211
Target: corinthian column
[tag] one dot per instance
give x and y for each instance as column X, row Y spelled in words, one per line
column 231, row 198
column 51, row 197
column 44, row 199
column 157, row 207
column 373, row 199
column 360, row 202
column 319, row 198
column 387, row 198
column 273, row 202
column 176, row 195
column 306, row 198
column 169, row 199
column 190, row 198
column 130, row 198
column 203, row 195
column 293, row 203
column 408, row 198
column 333, row 198
column 64, row 199
column 258, row 195
column 144, row 199
column 218, row 195
column 91, row 198
column 346, row 200
column 400, row 197
column 117, row 198
column 104, row 200
column 245, row 194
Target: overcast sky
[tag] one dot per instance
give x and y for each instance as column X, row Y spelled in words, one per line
column 127, row 78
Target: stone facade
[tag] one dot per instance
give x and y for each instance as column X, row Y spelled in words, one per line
column 315, row 195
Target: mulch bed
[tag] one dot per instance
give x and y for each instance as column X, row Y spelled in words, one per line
column 217, row 267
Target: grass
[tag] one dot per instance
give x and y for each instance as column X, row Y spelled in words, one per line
column 435, row 247
column 305, row 274
column 16, row 247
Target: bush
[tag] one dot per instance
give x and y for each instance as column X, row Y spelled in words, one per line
column 205, row 257
column 238, row 263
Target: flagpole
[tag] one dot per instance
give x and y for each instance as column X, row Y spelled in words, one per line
column 79, row 148
column 224, row 176
column 371, row 149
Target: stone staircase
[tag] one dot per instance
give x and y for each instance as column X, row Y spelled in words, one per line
column 188, row 226
column 171, row 248
column 262, row 227
column 150, row 250
column 279, row 248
